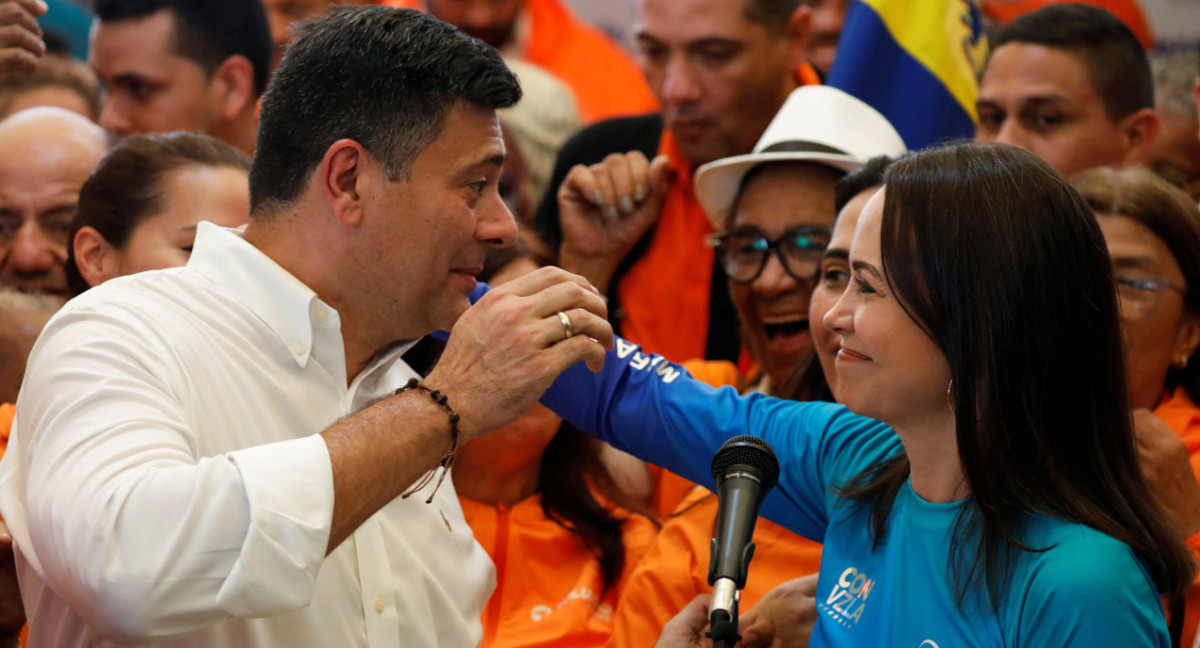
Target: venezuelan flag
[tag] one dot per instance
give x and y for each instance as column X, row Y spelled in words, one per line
column 917, row 62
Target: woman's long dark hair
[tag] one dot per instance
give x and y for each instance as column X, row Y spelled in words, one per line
column 1001, row 262
column 1169, row 214
column 569, row 463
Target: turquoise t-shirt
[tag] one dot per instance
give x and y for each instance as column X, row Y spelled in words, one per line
column 1085, row 589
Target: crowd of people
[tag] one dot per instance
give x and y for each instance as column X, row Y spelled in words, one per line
column 418, row 322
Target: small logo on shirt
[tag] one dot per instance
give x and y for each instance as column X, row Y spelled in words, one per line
column 848, row 598
column 602, row 611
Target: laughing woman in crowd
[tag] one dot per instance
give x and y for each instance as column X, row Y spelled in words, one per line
column 993, row 496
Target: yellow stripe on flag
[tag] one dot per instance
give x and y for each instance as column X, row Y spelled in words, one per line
column 939, row 35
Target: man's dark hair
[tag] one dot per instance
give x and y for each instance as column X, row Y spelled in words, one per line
column 207, row 31
column 383, row 77
column 773, row 14
column 1116, row 63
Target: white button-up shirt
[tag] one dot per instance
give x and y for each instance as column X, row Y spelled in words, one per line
column 165, row 478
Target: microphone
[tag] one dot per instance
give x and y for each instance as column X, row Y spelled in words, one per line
column 745, row 469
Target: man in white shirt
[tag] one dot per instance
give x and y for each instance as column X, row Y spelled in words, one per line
column 201, row 455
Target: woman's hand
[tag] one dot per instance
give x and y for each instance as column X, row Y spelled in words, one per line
column 686, row 630
column 782, row 618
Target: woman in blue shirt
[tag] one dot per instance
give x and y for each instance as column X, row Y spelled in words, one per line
column 993, row 497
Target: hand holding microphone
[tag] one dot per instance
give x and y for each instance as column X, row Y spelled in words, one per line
column 745, row 469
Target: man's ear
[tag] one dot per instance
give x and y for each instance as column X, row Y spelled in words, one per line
column 233, row 81
column 1139, row 130
column 796, row 35
column 342, row 180
column 94, row 256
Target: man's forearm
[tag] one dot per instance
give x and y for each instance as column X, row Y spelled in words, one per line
column 379, row 452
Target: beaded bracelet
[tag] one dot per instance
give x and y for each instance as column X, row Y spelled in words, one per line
column 447, row 459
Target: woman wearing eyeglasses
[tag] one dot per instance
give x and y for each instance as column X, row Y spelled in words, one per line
column 993, row 497
column 1153, row 234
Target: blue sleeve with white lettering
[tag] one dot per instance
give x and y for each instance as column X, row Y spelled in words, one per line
column 654, row 410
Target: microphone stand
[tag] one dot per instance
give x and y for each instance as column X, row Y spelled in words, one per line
column 723, row 618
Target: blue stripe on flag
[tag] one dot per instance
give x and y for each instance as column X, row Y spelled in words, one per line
column 872, row 66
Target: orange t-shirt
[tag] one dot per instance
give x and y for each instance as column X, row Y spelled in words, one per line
column 547, row 583
column 7, row 412
column 605, row 79
column 675, row 569
column 1181, row 415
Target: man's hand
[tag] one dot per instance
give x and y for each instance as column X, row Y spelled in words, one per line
column 506, row 349
column 686, row 629
column 782, row 618
column 20, row 36
column 605, row 208
column 1168, row 471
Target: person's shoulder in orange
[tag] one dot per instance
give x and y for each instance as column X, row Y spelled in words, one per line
column 1182, row 415
column 8, row 411
column 606, row 80
column 549, row 585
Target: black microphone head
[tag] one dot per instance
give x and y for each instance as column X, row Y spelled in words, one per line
column 751, row 451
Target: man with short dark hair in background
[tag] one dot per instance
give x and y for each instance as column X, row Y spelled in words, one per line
column 170, row 65
column 1072, row 84
column 222, row 454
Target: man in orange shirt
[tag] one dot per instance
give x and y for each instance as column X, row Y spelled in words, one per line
column 605, row 79
column 721, row 70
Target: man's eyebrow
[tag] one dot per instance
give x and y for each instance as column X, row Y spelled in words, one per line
column 714, row 41
column 646, row 39
column 1038, row 101
column 493, row 161
column 133, row 77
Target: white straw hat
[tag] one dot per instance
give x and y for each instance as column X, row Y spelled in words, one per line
column 816, row 124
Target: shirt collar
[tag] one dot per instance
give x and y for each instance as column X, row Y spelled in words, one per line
column 279, row 299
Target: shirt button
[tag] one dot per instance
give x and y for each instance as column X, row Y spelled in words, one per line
column 321, row 315
column 299, row 349
column 379, row 605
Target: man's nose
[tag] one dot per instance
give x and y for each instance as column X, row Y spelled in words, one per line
column 33, row 252
column 679, row 84
column 496, row 224
column 113, row 119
